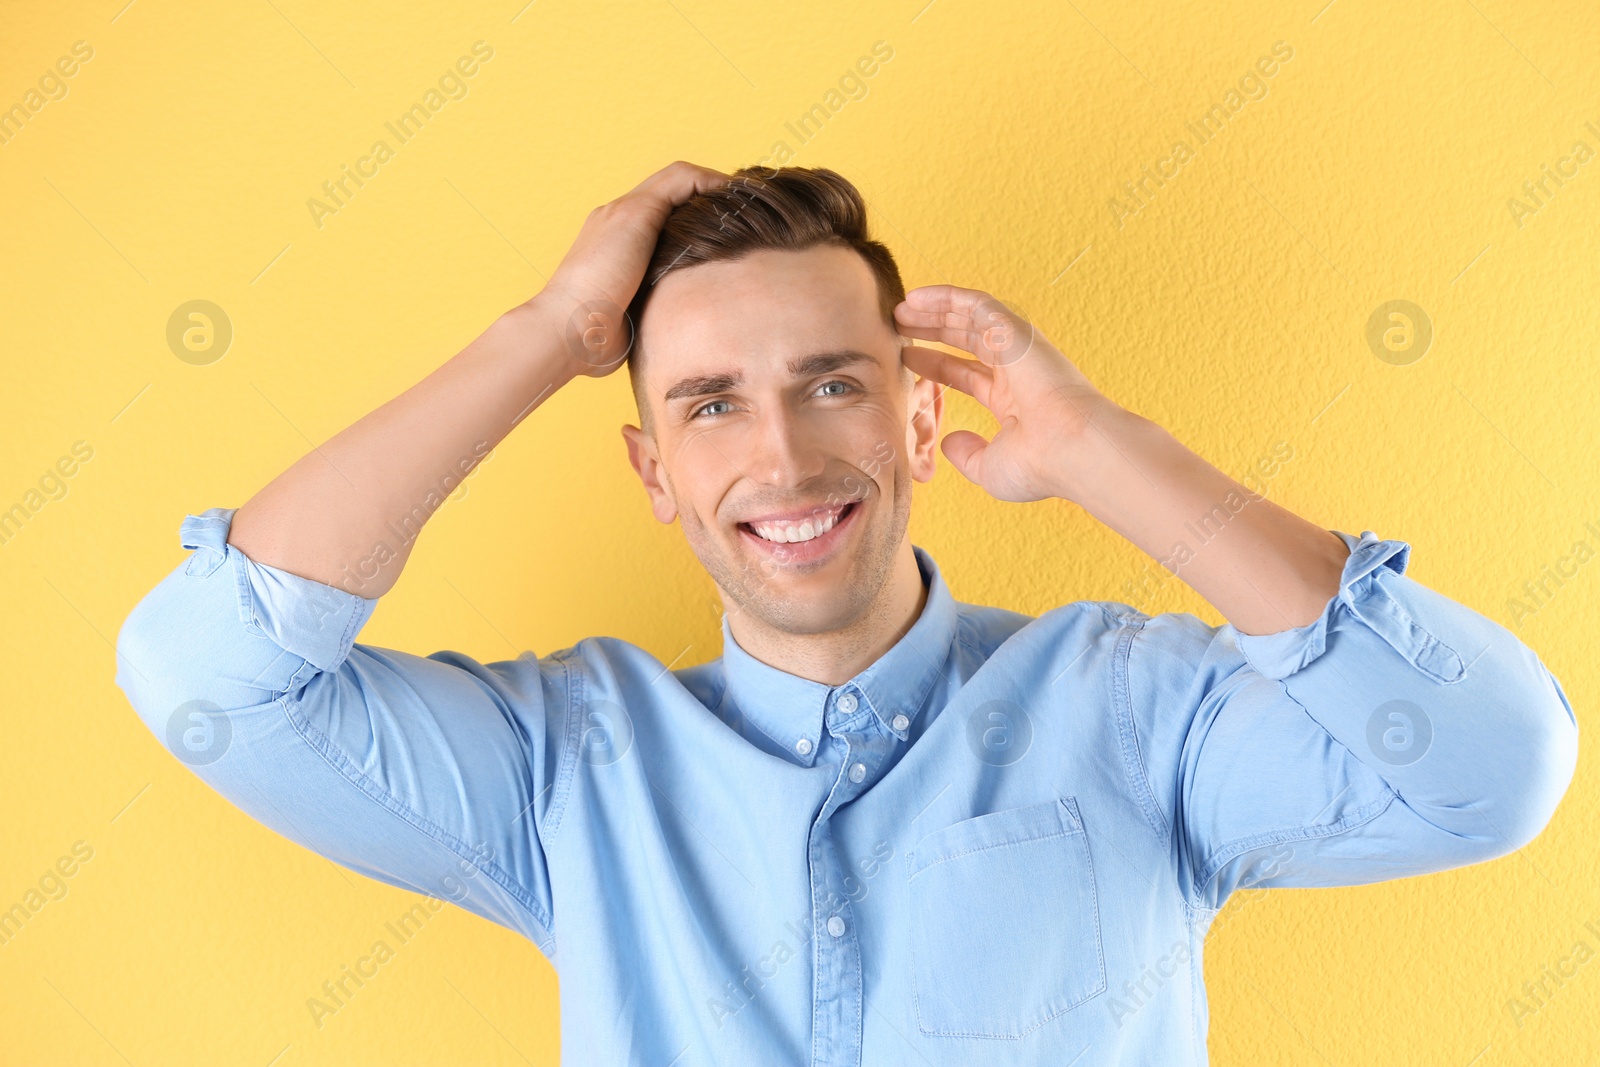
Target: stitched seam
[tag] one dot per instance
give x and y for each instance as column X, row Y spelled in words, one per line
column 567, row 759
column 927, row 687
column 319, row 743
column 1099, row 946
column 1132, row 758
column 348, row 638
column 1099, row 940
column 1357, row 818
column 241, row 584
column 306, row 668
column 999, row 844
column 984, row 848
column 782, row 746
column 1423, row 645
column 1196, row 944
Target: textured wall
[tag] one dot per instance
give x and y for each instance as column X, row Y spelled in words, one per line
column 1382, row 159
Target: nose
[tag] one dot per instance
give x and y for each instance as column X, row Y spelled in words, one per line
column 787, row 452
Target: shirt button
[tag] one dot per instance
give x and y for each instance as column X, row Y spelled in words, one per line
column 900, row 722
column 803, row 746
column 858, row 772
column 836, row 926
column 847, row 703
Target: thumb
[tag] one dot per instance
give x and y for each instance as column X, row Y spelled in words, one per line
column 965, row 450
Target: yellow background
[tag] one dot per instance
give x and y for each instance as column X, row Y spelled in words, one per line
column 1232, row 309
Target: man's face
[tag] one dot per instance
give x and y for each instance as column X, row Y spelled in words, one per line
column 786, row 437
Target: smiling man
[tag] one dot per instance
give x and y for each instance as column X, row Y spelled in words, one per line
column 885, row 826
column 788, row 434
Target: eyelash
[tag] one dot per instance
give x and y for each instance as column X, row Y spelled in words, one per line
column 696, row 413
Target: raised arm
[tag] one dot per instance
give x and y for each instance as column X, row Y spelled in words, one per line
column 432, row 773
column 1347, row 725
column 348, row 512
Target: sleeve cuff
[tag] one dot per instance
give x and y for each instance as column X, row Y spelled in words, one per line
column 1367, row 589
column 308, row 618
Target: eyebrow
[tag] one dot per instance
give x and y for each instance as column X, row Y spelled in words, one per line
column 805, row 367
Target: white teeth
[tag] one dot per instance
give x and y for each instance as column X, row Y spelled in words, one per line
column 789, row 533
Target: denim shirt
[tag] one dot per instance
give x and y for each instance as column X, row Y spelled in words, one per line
column 1002, row 842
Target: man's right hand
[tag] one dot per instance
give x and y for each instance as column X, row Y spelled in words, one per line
column 347, row 513
column 603, row 269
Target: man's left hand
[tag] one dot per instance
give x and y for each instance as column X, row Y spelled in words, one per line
column 1043, row 403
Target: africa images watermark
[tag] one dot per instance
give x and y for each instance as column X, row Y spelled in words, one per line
column 337, row 992
column 52, row 87
column 452, row 85
column 1538, row 192
column 1136, row 993
column 1252, row 86
column 1537, row 593
column 852, row 490
column 1142, row 589
column 407, row 527
column 852, row 86
column 51, row 886
column 52, row 486
column 798, row 932
column 1537, row 994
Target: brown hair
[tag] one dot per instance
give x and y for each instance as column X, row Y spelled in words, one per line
column 785, row 208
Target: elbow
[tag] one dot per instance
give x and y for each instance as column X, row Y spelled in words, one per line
column 143, row 674
column 156, row 670
column 1551, row 758
column 193, row 729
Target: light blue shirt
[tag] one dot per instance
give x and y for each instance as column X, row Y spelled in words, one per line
column 1001, row 843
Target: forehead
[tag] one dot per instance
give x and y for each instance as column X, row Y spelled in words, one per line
column 760, row 311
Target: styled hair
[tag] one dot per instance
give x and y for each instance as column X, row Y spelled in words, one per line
column 784, row 208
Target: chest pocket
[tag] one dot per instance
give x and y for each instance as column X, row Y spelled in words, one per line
column 1006, row 922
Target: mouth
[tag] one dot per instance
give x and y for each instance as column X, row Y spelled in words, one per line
column 805, row 540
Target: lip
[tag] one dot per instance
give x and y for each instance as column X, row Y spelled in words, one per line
column 818, row 548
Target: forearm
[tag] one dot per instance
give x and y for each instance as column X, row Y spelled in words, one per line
column 347, row 513
column 1263, row 567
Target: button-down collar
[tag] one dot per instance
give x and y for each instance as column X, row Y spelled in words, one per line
column 790, row 709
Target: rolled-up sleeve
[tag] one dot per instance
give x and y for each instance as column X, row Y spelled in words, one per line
column 428, row 773
column 1399, row 733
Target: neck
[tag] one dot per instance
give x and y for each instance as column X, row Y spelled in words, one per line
column 834, row 657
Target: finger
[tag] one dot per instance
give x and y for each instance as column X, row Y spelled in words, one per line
column 969, row 319
column 967, row 375
column 945, row 335
column 940, row 313
column 946, row 299
column 948, row 306
column 677, row 182
column 965, row 451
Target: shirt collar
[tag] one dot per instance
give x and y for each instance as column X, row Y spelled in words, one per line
column 791, row 710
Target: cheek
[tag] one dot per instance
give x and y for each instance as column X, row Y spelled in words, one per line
column 701, row 476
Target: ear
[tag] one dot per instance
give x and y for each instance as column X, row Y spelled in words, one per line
column 647, row 462
column 925, row 413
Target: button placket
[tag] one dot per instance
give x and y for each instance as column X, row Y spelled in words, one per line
column 837, row 994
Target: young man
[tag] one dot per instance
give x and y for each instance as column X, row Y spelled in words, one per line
column 885, row 827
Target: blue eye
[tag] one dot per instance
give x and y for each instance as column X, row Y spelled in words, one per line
column 705, row 409
column 702, row 409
